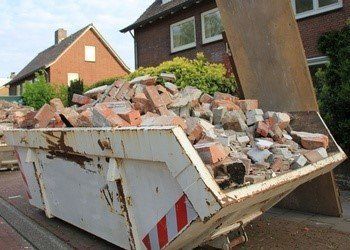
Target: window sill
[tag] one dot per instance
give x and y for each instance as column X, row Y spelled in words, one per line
column 320, row 11
column 174, row 51
column 212, row 40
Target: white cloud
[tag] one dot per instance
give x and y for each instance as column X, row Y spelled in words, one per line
column 27, row 27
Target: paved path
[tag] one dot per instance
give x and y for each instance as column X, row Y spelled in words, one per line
column 10, row 239
column 338, row 224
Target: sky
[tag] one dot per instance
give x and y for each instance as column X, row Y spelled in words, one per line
column 27, row 27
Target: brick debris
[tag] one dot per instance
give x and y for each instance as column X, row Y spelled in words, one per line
column 239, row 143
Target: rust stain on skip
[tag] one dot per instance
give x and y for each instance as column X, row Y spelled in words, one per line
column 58, row 148
column 108, row 197
column 124, row 209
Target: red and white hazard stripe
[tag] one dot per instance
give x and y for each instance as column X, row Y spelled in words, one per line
column 176, row 220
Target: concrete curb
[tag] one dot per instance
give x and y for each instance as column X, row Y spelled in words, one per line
column 36, row 235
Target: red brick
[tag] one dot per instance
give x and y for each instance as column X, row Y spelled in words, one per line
column 85, row 119
column 44, row 116
column 205, row 98
column 122, row 91
column 224, row 96
column 24, row 120
column 195, row 134
column 277, row 164
column 81, row 100
column 229, row 105
column 212, row 152
column 248, row 104
column 152, row 94
column 164, row 121
column 56, row 122
column 69, row 116
column 262, row 129
column 315, row 142
column 116, row 121
column 57, row 104
column 133, row 117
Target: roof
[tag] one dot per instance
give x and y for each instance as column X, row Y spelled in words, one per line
column 49, row 56
column 157, row 10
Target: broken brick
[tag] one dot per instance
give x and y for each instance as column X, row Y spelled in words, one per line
column 248, row 104
column 152, row 94
column 81, row 100
column 172, row 88
column 145, row 80
column 316, row 155
column 205, row 98
column 57, row 104
column 229, row 105
column 315, row 142
column 85, row 119
column 168, row 77
column 69, row 117
column 133, row 117
column 44, row 116
column 212, row 152
column 262, row 129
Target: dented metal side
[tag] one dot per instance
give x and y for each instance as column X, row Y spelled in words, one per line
column 121, row 184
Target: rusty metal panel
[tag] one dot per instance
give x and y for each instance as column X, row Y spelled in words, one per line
column 268, row 53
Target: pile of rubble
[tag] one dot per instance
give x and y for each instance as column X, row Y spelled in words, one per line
column 239, row 143
column 9, row 112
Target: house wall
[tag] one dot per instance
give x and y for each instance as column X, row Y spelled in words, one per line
column 153, row 40
column 311, row 28
column 73, row 61
column 4, row 91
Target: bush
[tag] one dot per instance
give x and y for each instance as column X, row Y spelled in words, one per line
column 39, row 92
column 333, row 84
column 208, row 77
column 76, row 87
column 107, row 81
column 61, row 92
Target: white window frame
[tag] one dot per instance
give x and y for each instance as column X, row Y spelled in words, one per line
column 166, row 1
column 317, row 60
column 88, row 57
column 210, row 39
column 187, row 46
column 317, row 10
column 71, row 78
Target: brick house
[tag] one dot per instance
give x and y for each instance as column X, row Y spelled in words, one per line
column 83, row 55
column 171, row 28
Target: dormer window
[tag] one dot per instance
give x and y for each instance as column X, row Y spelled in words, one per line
column 166, row 1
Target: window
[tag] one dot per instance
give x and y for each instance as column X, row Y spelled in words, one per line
column 72, row 77
column 304, row 8
column 211, row 26
column 166, row 1
column 183, row 35
column 90, row 53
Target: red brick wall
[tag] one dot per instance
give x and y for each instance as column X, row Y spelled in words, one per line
column 73, row 61
column 311, row 28
column 153, row 40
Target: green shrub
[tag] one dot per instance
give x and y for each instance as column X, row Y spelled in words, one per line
column 39, row 92
column 107, row 81
column 333, row 84
column 208, row 77
column 76, row 87
column 61, row 92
